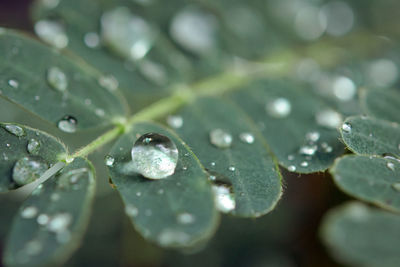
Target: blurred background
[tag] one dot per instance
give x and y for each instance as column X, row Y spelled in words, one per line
column 364, row 35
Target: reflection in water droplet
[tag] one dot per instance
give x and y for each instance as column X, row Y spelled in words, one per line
column 13, row 83
column 131, row 210
column 127, row 34
column 28, row 169
column 15, row 130
column 108, row 82
column 328, row 118
column 279, row 107
column 33, row 146
column 91, row 40
column 51, row 32
column 220, row 138
column 247, row 138
column 225, row 201
column 109, row 160
column 346, row 127
column 68, row 124
column 195, row 30
column 175, row 121
column 57, row 79
column 29, row 212
column 154, row 156
column 185, row 218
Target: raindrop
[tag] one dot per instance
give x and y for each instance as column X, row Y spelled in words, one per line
column 28, row 169
column 344, row 88
column 346, row 127
column 131, row 210
column 225, row 201
column 109, row 160
column 127, row 34
column 154, row 156
column 247, row 138
column 185, row 218
column 175, row 121
column 15, row 130
column 29, row 212
column 91, row 39
column 67, row 124
column 57, row 79
column 328, row 118
column 54, row 197
column 108, row 82
column 33, row 146
column 138, row 194
column 279, row 108
column 390, row 166
column 308, row 150
column 292, row 168
column 220, row 138
column 59, row 222
column 13, row 83
column 51, row 32
column 195, row 30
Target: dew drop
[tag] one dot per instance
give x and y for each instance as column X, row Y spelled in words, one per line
column 346, row 127
column 185, row 218
column 154, row 156
column 91, row 40
column 220, row 138
column 390, row 166
column 51, row 32
column 59, row 222
column 328, row 118
column 213, row 164
column 131, row 210
column 29, row 212
column 304, row 164
column 225, row 201
column 108, row 82
column 278, row 108
column 292, row 168
column 68, row 124
column 290, row 157
column 15, row 130
column 175, row 121
column 57, row 79
column 109, row 161
column 13, row 83
column 232, row 168
column 33, row 147
column 247, row 138
column 308, row 150
column 28, row 169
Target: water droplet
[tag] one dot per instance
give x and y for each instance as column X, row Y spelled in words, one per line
column 247, row 138
column 312, row 136
column 292, row 168
column 127, row 34
column 308, row 150
column 29, row 212
column 91, row 40
column 326, row 148
column 13, row 83
column 212, row 177
column 109, row 160
column 108, row 82
column 59, row 222
column 225, row 201
column 68, row 124
column 329, row 118
column 278, row 108
column 57, row 79
column 131, row 210
column 290, row 157
column 346, row 127
column 185, row 218
column 52, row 32
column 213, row 164
column 220, row 138
column 28, row 169
column 232, row 168
column 33, row 147
column 195, row 30
column 100, row 112
column 396, row 186
column 15, row 130
column 175, row 121
column 390, row 166
column 43, row 219
column 154, row 156
column 304, row 164
column 169, row 237
column 138, row 194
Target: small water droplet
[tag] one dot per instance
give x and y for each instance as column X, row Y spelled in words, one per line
column 52, row 32
column 213, row 164
column 292, row 168
column 33, row 147
column 247, row 138
column 346, row 127
column 308, row 150
column 390, row 166
column 54, row 197
column 43, row 219
column 91, row 40
column 109, row 161
column 326, row 148
column 175, row 121
column 154, row 156
column 304, row 164
column 185, row 218
column 220, row 138
column 232, row 168
column 108, row 82
column 278, row 108
column 13, row 83
column 131, row 210
column 57, row 79
column 170, row 237
column 312, row 136
column 328, row 118
column 160, row 191
column 225, row 201
column 59, row 222
column 100, row 112
column 29, row 212
column 68, row 124
column 15, row 130
column 28, row 169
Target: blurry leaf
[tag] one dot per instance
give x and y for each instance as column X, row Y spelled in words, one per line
column 381, row 104
column 358, row 235
column 372, row 179
column 54, row 87
column 51, row 222
column 177, row 211
column 299, row 128
column 25, row 154
column 368, row 136
column 255, row 178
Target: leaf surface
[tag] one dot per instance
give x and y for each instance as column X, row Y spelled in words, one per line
column 381, row 104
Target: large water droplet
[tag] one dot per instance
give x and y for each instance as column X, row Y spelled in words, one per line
column 247, row 138
column 13, row 83
column 220, row 138
column 15, row 130
column 154, row 156
column 346, row 127
column 225, row 201
column 33, row 146
column 328, row 118
column 28, row 169
column 127, row 34
column 195, row 30
column 68, row 124
column 57, row 79
column 52, row 32
column 279, row 107
column 175, row 121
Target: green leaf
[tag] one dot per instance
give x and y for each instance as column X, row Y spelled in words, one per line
column 289, row 134
column 25, row 154
column 50, row 224
column 72, row 90
column 372, row 179
column 381, row 104
column 255, row 179
column 369, row 136
column 155, row 207
column 358, row 235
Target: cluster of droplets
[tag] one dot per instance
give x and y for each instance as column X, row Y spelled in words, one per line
column 223, row 139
